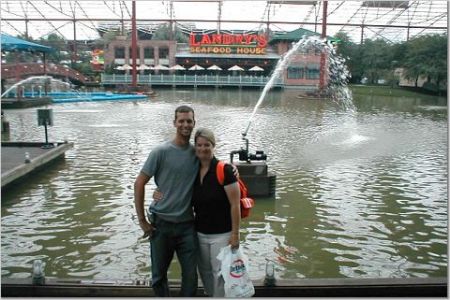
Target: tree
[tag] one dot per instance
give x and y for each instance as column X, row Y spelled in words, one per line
column 347, row 49
column 427, row 56
column 106, row 38
column 377, row 59
column 163, row 33
column 59, row 44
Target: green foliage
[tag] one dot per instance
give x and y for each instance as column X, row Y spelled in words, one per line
column 84, row 67
column 58, row 43
column 163, row 33
column 372, row 59
column 102, row 43
column 376, row 59
column 427, row 56
column 381, row 91
column 347, row 49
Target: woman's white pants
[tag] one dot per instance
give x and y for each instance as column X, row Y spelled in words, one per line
column 209, row 265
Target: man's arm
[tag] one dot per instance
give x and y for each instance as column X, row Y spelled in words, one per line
column 139, row 199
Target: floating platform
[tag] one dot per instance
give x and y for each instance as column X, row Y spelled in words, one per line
column 346, row 287
column 96, row 96
column 69, row 97
column 14, row 166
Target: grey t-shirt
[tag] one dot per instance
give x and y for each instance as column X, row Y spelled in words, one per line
column 174, row 170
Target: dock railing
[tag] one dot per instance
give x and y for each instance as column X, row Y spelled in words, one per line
column 325, row 287
column 192, row 80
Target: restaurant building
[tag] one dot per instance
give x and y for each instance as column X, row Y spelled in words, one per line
column 253, row 54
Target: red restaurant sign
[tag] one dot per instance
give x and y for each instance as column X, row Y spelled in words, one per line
column 228, row 43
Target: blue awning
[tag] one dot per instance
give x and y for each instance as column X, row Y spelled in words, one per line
column 10, row 43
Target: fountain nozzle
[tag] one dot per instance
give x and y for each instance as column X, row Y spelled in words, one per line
column 244, row 154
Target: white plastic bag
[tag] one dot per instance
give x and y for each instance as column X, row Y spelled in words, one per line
column 234, row 270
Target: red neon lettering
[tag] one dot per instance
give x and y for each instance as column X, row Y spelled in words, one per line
column 192, row 40
column 262, row 42
column 205, row 39
column 217, row 39
column 248, row 38
column 227, row 39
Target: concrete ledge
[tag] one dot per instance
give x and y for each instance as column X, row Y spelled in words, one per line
column 9, row 103
column 343, row 287
column 13, row 161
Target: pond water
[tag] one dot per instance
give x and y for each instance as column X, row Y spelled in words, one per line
column 361, row 194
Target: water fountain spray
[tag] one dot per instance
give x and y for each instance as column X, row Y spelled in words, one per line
column 337, row 74
column 279, row 68
column 45, row 77
column 336, row 90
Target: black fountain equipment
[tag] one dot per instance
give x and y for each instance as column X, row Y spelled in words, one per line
column 254, row 171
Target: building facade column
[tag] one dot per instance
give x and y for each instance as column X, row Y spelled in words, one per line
column 156, row 55
column 172, row 52
column 141, row 56
column 127, row 54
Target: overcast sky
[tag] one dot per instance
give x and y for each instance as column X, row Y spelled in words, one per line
column 346, row 13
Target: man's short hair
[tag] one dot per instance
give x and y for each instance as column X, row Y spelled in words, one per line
column 184, row 109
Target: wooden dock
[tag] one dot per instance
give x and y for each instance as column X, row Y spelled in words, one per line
column 343, row 287
column 15, row 168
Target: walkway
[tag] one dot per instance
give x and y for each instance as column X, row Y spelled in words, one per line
column 14, row 167
column 191, row 80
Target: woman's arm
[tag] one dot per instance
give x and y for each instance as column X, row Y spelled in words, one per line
column 234, row 197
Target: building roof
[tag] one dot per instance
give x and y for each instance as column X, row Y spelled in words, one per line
column 394, row 21
column 10, row 43
column 296, row 35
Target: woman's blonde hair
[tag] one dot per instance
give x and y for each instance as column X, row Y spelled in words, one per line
column 207, row 134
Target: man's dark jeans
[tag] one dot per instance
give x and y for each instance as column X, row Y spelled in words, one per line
column 167, row 239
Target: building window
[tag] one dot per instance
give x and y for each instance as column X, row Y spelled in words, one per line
column 164, row 52
column 119, row 52
column 312, row 73
column 295, row 73
column 149, row 53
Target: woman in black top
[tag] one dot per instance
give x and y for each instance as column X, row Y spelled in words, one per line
column 217, row 212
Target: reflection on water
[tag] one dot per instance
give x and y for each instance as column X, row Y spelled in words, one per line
column 360, row 194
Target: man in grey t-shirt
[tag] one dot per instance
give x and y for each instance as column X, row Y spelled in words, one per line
column 174, row 166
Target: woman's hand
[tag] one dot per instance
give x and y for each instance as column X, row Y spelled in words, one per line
column 234, row 241
column 157, row 195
